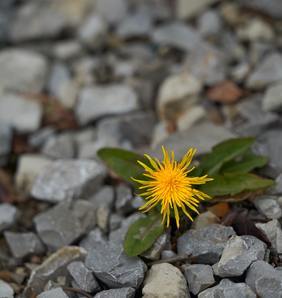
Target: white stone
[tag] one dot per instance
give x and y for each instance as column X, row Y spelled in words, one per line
column 22, row 70
column 29, row 167
column 19, row 112
column 165, row 280
column 112, row 10
column 6, row 291
column 8, row 216
column 272, row 101
column 189, row 8
column 190, row 117
column 177, row 93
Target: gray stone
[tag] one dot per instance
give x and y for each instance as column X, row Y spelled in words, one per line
column 83, row 277
column 135, row 25
column 8, row 216
column 264, row 280
column 202, row 136
column 29, row 167
column 209, row 23
column 22, row 70
column 123, row 200
column 94, row 237
column 167, row 254
column 19, row 112
column 38, row 138
column 113, row 267
column 24, row 244
column 267, row 72
column 93, row 31
column 268, row 206
column 199, row 277
column 207, row 64
column 274, row 233
column 238, row 255
column 47, row 19
column 6, row 291
column 205, row 244
column 103, row 198
column 271, row 7
column 115, row 221
column 57, row 292
column 177, row 34
column 272, row 101
column 227, row 288
column 117, row 293
column 165, row 280
column 68, row 179
column 117, row 99
column 103, row 217
column 269, row 144
column 112, row 10
column 204, row 220
column 154, row 253
column 60, row 146
column 67, row 49
column 277, row 188
column 5, row 140
column 64, row 223
column 55, row 265
column 190, row 8
column 62, row 86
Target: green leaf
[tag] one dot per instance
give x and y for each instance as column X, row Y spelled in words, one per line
column 142, row 234
column 223, row 153
column 122, row 162
column 248, row 163
column 233, row 183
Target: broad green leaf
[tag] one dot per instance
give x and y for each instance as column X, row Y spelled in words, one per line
column 122, row 162
column 248, row 163
column 223, row 153
column 142, row 234
column 233, row 183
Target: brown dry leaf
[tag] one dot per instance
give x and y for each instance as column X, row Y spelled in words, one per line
column 220, row 209
column 225, row 92
column 54, row 113
column 7, row 191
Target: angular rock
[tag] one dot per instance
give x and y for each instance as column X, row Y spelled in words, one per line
column 60, row 146
column 68, row 179
column 83, row 277
column 205, row 244
column 154, row 253
column 199, row 277
column 227, row 288
column 94, row 237
column 272, row 101
column 38, row 138
column 274, row 233
column 29, row 167
column 264, row 280
column 67, row 49
column 191, row 117
column 112, row 10
column 8, row 216
column 93, row 32
column 47, row 19
column 123, row 200
column 177, row 34
column 115, row 221
column 54, row 266
column 64, row 223
column 21, row 113
column 271, row 7
column 135, row 25
column 204, row 220
column 57, row 292
column 209, row 23
column 103, row 198
column 113, row 267
column 6, row 290
column 238, row 255
column 22, row 71
column 177, row 93
column 165, row 280
column 117, row 293
column 190, row 8
column 117, row 99
column 5, row 140
column 24, row 244
column 267, row 72
column 268, row 206
column 202, row 136
column 167, row 254
column 103, row 217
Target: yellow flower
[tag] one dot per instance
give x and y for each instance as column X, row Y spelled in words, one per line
column 167, row 184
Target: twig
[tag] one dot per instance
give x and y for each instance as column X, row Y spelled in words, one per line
column 78, row 291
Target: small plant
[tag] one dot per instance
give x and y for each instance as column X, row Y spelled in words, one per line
column 172, row 189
